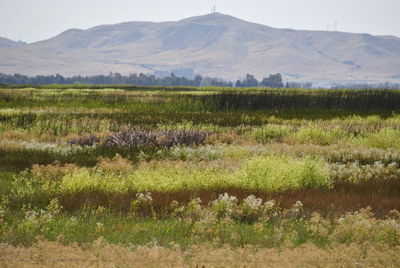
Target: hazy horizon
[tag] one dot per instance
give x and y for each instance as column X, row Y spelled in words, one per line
column 32, row 21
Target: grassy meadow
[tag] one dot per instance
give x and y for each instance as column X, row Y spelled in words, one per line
column 199, row 176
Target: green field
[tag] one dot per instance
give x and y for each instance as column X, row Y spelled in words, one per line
column 217, row 168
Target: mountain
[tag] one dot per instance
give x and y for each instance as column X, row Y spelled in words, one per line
column 215, row 45
column 4, row 42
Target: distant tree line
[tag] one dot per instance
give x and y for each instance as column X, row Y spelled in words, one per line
column 386, row 85
column 111, row 79
column 114, row 79
column 274, row 80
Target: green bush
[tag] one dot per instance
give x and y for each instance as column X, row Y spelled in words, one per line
column 162, row 178
column 385, row 138
column 84, row 181
column 318, row 136
column 274, row 173
column 269, row 132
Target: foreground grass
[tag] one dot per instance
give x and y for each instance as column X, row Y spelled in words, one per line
column 102, row 254
column 224, row 220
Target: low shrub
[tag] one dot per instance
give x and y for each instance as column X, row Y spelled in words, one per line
column 385, row 138
column 270, row 132
column 363, row 156
column 224, row 206
column 117, row 165
column 252, row 209
column 84, row 181
column 142, row 205
column 201, row 153
column 191, row 212
column 275, row 173
column 52, row 172
column 164, row 138
column 85, row 141
column 318, row 136
column 362, row 227
column 359, row 174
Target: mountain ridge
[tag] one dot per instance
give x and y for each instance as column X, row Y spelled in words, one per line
column 5, row 42
column 216, row 45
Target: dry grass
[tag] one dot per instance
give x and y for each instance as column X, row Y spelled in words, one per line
column 102, row 254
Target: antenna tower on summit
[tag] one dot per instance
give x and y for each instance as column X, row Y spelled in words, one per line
column 214, row 9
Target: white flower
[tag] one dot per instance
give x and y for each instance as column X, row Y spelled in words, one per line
column 298, row 204
column 270, row 204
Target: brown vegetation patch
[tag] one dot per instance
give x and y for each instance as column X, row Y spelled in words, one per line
column 102, row 254
column 323, row 202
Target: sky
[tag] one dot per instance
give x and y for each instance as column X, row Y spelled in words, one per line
column 34, row 20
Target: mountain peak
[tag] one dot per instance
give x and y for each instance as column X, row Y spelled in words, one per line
column 212, row 18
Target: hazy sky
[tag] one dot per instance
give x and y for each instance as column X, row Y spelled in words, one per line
column 33, row 20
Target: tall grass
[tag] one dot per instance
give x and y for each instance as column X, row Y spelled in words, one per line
column 210, row 100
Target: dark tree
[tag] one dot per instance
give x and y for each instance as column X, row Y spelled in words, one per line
column 274, row 80
column 250, row 81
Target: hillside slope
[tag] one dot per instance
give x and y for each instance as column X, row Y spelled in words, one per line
column 215, row 45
